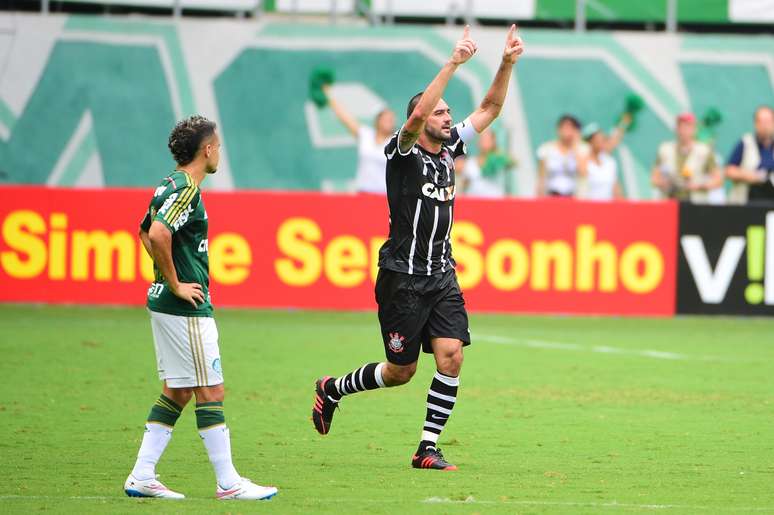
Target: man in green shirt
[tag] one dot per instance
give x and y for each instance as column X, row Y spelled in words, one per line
column 174, row 232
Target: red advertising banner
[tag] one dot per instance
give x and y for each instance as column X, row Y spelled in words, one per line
column 310, row 250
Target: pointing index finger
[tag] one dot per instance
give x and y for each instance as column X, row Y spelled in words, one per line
column 466, row 32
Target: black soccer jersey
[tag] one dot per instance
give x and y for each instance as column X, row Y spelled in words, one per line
column 420, row 192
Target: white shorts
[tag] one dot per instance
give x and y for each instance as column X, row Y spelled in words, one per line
column 187, row 352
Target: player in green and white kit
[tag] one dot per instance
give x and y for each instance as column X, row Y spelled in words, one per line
column 174, row 232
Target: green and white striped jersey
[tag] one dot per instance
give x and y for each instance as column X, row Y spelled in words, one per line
column 177, row 203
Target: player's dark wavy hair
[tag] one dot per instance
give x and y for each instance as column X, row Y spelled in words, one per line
column 187, row 136
column 413, row 104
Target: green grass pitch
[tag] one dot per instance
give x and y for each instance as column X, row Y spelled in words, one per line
column 554, row 415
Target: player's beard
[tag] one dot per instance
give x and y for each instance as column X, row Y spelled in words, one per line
column 436, row 135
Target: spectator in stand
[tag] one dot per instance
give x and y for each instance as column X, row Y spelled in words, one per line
column 599, row 171
column 686, row 169
column 558, row 160
column 487, row 174
column 751, row 164
column 371, row 161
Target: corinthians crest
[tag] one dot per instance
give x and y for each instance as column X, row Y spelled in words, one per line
column 396, row 342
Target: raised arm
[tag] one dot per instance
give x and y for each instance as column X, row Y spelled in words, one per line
column 618, row 133
column 493, row 102
column 409, row 134
column 344, row 116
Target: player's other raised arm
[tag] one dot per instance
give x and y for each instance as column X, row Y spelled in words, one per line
column 463, row 50
column 344, row 116
column 493, row 102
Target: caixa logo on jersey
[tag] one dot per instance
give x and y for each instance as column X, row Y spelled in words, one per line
column 442, row 193
column 726, row 262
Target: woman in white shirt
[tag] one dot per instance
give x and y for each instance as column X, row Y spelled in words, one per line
column 558, row 160
column 371, row 161
column 486, row 175
column 598, row 170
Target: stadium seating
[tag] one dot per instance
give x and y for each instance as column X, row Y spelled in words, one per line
column 626, row 11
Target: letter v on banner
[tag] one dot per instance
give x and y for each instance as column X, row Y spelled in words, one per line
column 726, row 260
column 713, row 285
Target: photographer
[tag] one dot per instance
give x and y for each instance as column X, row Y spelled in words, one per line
column 685, row 169
column 751, row 165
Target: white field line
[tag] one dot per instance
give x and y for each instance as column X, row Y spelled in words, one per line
column 580, row 504
column 435, row 500
column 60, row 497
column 602, row 349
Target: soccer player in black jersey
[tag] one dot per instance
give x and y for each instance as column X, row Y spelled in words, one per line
column 420, row 303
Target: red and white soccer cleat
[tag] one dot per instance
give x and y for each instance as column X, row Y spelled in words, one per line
column 149, row 488
column 246, row 490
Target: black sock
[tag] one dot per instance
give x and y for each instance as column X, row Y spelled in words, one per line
column 423, row 445
column 440, row 403
column 367, row 377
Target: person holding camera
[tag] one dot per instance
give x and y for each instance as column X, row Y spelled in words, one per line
column 751, row 165
column 686, row 169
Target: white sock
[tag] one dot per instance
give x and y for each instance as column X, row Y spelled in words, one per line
column 430, row 437
column 154, row 441
column 218, row 443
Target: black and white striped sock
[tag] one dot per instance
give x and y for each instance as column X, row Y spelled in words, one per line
column 367, row 377
column 440, row 403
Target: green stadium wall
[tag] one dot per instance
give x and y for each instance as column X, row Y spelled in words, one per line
column 89, row 101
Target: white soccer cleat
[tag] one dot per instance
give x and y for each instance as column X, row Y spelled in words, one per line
column 246, row 490
column 149, row 488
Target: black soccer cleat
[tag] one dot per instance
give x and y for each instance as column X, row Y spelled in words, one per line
column 431, row 458
column 324, row 406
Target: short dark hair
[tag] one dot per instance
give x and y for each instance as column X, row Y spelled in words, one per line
column 568, row 118
column 187, row 136
column 413, row 104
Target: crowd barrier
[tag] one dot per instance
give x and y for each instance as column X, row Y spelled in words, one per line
column 311, row 250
